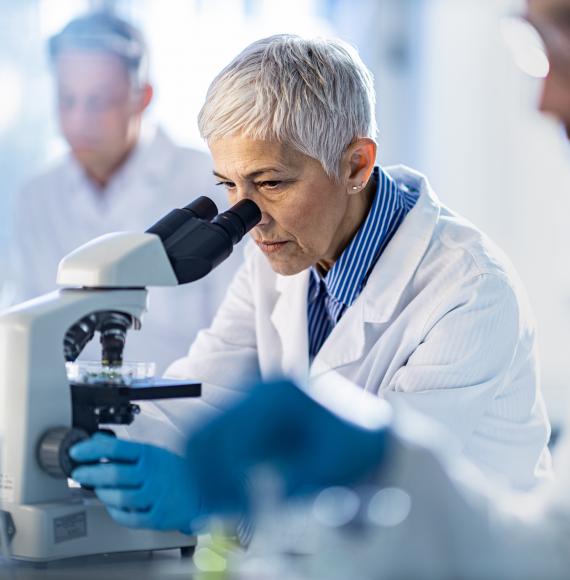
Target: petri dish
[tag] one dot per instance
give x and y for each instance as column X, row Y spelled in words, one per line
column 95, row 373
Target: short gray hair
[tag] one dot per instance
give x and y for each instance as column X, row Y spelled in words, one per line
column 105, row 32
column 314, row 95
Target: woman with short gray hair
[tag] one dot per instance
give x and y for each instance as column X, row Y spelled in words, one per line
column 361, row 270
column 356, row 271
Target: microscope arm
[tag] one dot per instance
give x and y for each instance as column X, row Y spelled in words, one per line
column 182, row 247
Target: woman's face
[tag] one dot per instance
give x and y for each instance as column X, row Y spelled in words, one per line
column 307, row 218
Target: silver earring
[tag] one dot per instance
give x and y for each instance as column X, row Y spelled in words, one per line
column 357, row 187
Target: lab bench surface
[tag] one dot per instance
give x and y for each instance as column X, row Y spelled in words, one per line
column 163, row 565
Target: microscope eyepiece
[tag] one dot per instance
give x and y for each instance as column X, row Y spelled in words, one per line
column 195, row 246
column 202, row 208
column 239, row 219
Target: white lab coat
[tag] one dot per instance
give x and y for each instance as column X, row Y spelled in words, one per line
column 60, row 210
column 442, row 326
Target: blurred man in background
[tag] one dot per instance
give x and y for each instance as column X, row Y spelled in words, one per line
column 118, row 175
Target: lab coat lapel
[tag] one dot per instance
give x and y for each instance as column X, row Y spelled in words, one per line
column 403, row 255
column 344, row 345
column 388, row 280
column 289, row 317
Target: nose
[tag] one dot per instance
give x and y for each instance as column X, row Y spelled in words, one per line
column 78, row 118
column 265, row 219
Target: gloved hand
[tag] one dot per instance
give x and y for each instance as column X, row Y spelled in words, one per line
column 142, row 486
column 285, row 428
column 276, row 424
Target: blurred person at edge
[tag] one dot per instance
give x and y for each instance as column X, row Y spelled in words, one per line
column 449, row 523
column 119, row 174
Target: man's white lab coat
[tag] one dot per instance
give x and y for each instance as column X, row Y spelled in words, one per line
column 60, row 210
column 442, row 326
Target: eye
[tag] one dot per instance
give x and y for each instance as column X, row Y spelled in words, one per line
column 269, row 184
column 226, row 184
column 66, row 102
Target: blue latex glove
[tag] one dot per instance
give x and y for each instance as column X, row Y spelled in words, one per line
column 142, row 486
column 281, row 426
column 277, row 425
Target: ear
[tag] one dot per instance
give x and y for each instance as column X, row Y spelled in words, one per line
column 360, row 158
column 145, row 97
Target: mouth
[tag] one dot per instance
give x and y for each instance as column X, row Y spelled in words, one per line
column 83, row 146
column 270, row 247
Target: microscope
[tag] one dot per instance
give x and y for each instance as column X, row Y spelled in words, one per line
column 43, row 413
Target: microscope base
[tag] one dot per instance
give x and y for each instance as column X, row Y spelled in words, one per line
column 72, row 528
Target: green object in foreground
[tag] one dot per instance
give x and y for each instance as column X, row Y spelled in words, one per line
column 214, row 555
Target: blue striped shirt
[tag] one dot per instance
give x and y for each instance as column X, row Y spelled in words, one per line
column 331, row 295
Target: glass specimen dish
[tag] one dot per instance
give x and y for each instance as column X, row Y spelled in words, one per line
column 95, row 373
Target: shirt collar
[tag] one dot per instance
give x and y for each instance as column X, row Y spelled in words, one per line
column 346, row 278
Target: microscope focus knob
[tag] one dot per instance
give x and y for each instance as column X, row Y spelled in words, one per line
column 53, row 448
